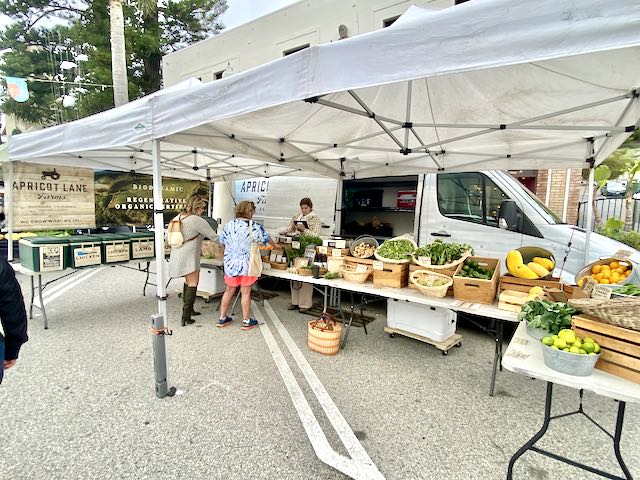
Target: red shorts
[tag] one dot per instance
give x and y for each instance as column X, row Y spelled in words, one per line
column 242, row 281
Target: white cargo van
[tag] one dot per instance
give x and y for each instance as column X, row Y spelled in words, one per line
column 489, row 210
column 495, row 213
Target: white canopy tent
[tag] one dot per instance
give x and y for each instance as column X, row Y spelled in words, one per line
column 486, row 84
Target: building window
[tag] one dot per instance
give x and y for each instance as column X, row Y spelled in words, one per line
column 218, row 75
column 389, row 21
column 294, row 50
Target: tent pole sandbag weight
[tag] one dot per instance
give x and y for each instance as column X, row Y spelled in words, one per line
column 323, row 335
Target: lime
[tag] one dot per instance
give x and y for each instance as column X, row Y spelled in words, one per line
column 574, row 349
column 591, row 353
column 588, row 340
column 582, row 351
column 560, row 343
column 596, row 348
column 577, row 343
column 555, row 337
column 588, row 347
column 567, row 335
column 554, row 347
column 547, row 341
column 565, row 349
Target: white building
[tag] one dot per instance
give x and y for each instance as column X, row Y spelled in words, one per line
column 280, row 33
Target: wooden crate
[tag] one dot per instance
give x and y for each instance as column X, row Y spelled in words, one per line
column 475, row 289
column 413, row 267
column 512, row 300
column 507, row 282
column 391, row 275
column 620, row 346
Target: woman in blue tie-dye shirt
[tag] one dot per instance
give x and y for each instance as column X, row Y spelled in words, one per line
column 236, row 237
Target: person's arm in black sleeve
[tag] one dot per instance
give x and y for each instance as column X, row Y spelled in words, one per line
column 12, row 314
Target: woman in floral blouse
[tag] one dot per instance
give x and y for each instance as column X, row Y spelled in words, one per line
column 236, row 237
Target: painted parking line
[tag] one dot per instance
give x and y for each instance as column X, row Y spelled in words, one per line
column 64, row 286
column 360, row 465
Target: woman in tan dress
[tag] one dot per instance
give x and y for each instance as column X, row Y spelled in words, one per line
column 185, row 259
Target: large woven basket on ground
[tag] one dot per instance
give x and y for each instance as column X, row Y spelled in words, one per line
column 425, row 275
column 391, row 260
column 622, row 312
column 323, row 335
column 349, row 273
column 447, row 266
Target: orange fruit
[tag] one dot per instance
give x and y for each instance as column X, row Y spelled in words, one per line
column 596, row 269
column 627, row 273
column 604, row 281
column 623, row 267
column 614, row 264
column 605, row 267
column 606, row 274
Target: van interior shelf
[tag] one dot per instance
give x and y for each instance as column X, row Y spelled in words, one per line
column 378, row 209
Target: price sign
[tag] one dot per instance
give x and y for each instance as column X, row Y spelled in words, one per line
column 601, row 292
column 588, row 285
column 426, row 260
column 336, row 252
column 361, row 268
column 295, row 245
column 378, row 266
column 624, row 254
column 341, row 244
column 322, row 250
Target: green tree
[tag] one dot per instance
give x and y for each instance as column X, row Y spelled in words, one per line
column 151, row 30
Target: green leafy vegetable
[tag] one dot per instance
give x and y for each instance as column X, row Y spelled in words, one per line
column 395, row 249
column 630, row 289
column 305, row 241
column 549, row 316
column 331, row 275
column 442, row 253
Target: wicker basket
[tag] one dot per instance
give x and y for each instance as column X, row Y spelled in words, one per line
column 305, row 272
column 426, row 275
column 446, row 266
column 278, row 265
column 622, row 312
column 391, row 260
column 350, row 274
column 323, row 335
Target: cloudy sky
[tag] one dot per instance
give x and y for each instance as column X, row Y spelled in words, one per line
column 239, row 11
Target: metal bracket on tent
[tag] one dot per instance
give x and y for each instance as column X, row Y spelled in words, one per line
column 342, row 160
column 407, row 125
column 312, row 99
column 630, row 129
column 162, row 331
column 591, row 161
column 163, row 298
column 405, row 151
column 158, row 211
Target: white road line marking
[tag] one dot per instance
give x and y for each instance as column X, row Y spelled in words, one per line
column 314, row 431
column 360, row 466
column 67, row 285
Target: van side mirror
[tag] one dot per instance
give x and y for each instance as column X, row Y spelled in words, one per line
column 509, row 216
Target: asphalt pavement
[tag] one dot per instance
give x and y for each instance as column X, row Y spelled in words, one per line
column 258, row 404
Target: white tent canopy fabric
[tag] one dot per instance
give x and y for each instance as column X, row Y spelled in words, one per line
column 486, row 84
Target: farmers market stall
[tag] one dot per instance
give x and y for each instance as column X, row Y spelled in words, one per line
column 486, row 96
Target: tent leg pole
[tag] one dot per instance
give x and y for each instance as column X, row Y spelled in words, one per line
column 158, row 320
column 589, row 222
column 338, row 215
column 8, row 189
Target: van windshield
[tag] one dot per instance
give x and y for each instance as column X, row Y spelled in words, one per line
column 548, row 215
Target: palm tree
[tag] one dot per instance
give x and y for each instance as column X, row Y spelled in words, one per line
column 118, row 54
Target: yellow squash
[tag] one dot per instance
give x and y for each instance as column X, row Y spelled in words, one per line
column 514, row 259
column 544, row 262
column 538, row 269
column 523, row 271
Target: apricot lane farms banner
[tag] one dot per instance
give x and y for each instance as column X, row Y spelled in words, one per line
column 47, row 197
